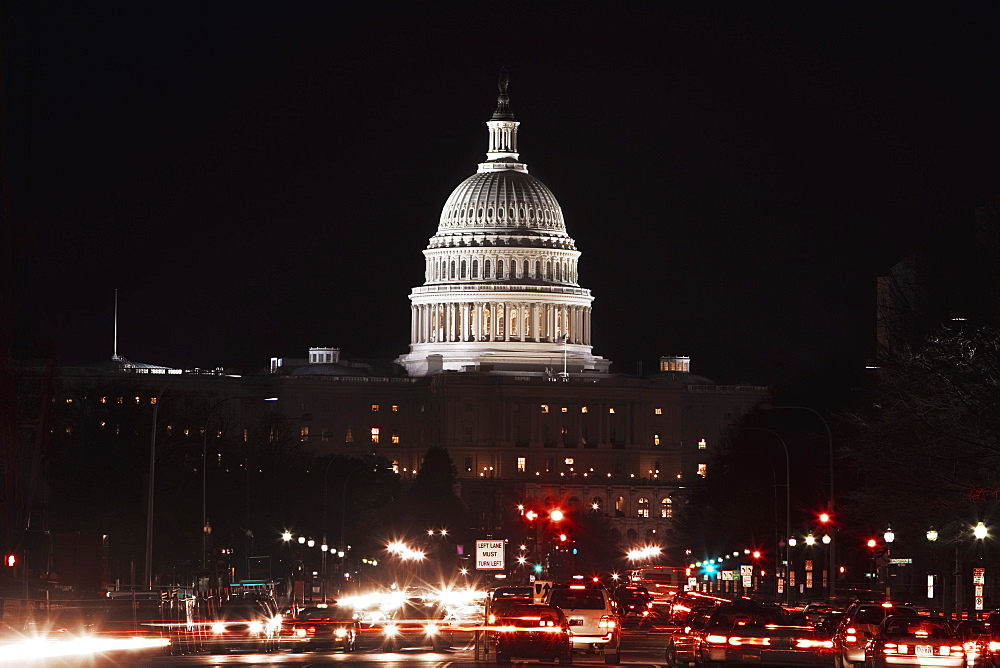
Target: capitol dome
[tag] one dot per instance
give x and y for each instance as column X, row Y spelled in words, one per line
column 501, row 291
column 502, row 202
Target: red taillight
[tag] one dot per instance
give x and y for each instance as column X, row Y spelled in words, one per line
column 715, row 640
column 891, row 648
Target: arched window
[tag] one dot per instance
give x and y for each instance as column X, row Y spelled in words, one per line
column 513, row 322
column 486, row 317
column 486, row 269
column 499, row 268
column 463, row 268
column 643, row 507
column 524, row 272
column 558, row 272
column 548, row 270
column 538, row 268
column 666, row 507
column 620, row 507
column 500, row 321
column 453, row 269
column 475, row 268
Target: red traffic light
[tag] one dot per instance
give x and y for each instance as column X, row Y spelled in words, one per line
column 872, row 543
column 756, row 554
column 824, row 517
column 10, row 560
column 562, row 538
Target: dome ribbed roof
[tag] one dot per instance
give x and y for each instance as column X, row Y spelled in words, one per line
column 502, row 201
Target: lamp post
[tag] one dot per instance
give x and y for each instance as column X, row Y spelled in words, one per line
column 889, row 537
column 833, row 543
column 788, row 502
column 151, row 485
column 205, row 526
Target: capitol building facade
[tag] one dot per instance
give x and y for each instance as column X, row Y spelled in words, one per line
column 500, row 371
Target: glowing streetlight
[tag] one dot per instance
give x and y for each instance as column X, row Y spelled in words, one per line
column 980, row 531
column 889, row 535
column 556, row 515
column 810, row 540
column 932, row 534
column 286, row 536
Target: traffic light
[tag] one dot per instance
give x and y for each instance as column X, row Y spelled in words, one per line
column 824, row 517
column 531, row 515
column 10, row 560
column 709, row 569
column 538, row 568
column 562, row 538
column 872, row 543
column 756, row 554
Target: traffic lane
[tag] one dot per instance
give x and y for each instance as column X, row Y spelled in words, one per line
column 639, row 649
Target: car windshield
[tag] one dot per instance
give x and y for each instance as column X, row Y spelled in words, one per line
column 876, row 613
column 332, row 614
column 918, row 629
column 578, row 599
column 735, row 619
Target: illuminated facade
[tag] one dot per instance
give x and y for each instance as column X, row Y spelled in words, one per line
column 501, row 290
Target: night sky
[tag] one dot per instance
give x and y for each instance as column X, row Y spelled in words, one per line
column 256, row 179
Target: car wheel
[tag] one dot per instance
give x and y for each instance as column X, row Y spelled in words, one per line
column 613, row 658
column 567, row 658
column 670, row 656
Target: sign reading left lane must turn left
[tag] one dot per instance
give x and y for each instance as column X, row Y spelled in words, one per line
column 489, row 555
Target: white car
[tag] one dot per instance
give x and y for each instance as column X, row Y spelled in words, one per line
column 593, row 622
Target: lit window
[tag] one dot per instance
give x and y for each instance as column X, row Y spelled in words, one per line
column 702, row 444
column 583, row 409
column 395, row 437
column 658, row 411
column 69, row 430
column 246, row 435
column 564, row 409
column 374, row 408
column 564, row 430
column 611, row 410
column 121, row 400
column 137, row 400
column 702, row 470
column 545, row 408
column 152, row 400
column 103, row 423
column 667, row 507
column 187, row 432
column 304, row 434
column 349, row 438
column 395, row 408
column 69, row 401
column 522, row 464
column 395, row 466
column 656, row 439
column 569, row 461
column 104, row 400
column 643, row 507
column 374, row 434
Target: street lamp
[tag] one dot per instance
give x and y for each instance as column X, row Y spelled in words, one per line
column 889, row 537
column 829, row 438
column 204, row 469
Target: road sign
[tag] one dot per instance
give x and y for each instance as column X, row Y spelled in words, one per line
column 902, row 561
column 978, row 576
column 979, row 603
column 541, row 591
column 489, row 555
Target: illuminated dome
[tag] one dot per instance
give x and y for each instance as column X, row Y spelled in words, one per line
column 503, row 202
column 500, row 290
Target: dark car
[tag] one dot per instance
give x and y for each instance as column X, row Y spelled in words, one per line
column 243, row 624
column 528, row 631
column 511, row 594
column 418, row 622
column 632, row 601
column 861, row 621
column 325, row 627
column 915, row 641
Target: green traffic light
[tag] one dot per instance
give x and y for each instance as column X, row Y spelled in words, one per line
column 538, row 568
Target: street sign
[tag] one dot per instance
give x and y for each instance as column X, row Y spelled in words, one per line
column 541, row 591
column 746, row 570
column 902, row 561
column 489, row 555
column 979, row 603
column 978, row 576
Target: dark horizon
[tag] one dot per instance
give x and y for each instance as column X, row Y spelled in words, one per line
column 262, row 182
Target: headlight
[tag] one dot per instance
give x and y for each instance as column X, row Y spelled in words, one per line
column 301, row 633
column 218, row 628
column 390, row 629
column 431, row 629
column 255, row 627
column 340, row 632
